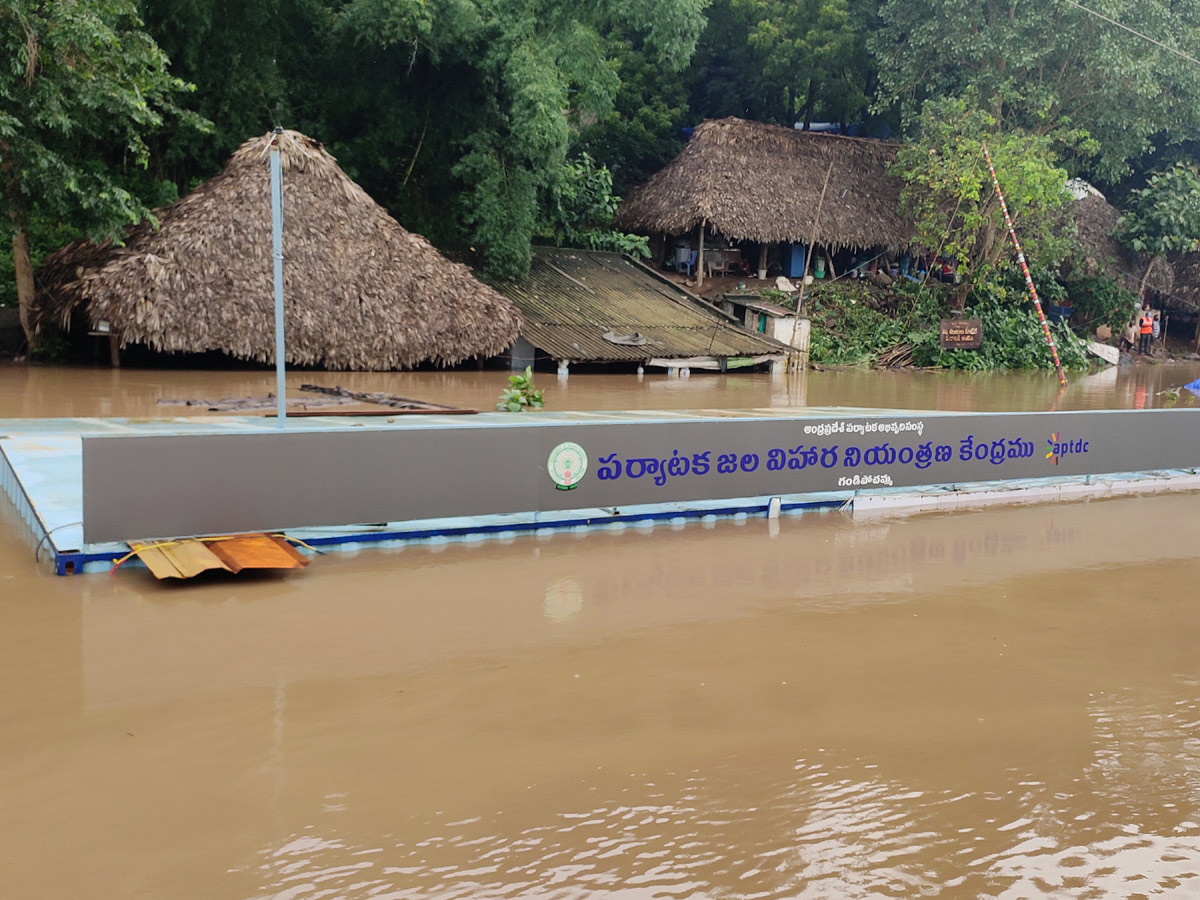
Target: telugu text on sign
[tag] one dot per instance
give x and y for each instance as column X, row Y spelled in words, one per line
column 961, row 334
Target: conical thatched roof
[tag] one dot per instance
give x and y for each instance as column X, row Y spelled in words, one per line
column 59, row 281
column 1096, row 222
column 751, row 181
column 1185, row 293
column 360, row 292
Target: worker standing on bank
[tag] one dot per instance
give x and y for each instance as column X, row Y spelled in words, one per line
column 1147, row 331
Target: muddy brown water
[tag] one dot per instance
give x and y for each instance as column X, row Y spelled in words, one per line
column 1000, row 703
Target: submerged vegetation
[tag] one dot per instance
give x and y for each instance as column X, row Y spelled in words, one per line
column 858, row 324
column 520, row 394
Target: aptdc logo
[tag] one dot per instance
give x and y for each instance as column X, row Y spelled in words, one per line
column 1057, row 448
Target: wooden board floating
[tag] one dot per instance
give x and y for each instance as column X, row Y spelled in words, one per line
column 312, row 413
column 381, row 399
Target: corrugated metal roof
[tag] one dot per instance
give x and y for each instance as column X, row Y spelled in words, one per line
column 763, row 306
column 572, row 297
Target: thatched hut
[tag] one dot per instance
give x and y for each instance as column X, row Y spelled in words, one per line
column 748, row 181
column 1096, row 222
column 1185, row 292
column 360, row 291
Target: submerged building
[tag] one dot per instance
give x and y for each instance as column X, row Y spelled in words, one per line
column 361, row 292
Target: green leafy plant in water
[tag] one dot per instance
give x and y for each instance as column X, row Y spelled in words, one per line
column 1177, row 396
column 520, row 393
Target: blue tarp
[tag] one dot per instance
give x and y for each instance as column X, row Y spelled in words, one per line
column 1194, row 387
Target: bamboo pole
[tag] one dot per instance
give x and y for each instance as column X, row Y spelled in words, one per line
column 277, row 255
column 812, row 237
column 700, row 255
column 1037, row 304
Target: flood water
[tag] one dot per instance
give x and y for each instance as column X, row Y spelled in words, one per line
column 1000, row 703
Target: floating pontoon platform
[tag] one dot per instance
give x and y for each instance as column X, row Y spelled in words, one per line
column 85, row 488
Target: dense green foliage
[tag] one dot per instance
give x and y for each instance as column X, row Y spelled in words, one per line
column 1049, row 68
column 517, row 79
column 950, row 194
column 1165, row 214
column 851, row 326
column 1098, row 300
column 856, row 325
column 785, row 61
column 81, row 87
column 488, row 124
column 584, row 205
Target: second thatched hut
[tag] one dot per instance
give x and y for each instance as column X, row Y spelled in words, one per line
column 740, row 181
column 361, row 292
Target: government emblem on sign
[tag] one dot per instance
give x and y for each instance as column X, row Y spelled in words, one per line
column 567, row 465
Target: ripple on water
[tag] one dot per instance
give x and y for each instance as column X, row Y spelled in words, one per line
column 817, row 830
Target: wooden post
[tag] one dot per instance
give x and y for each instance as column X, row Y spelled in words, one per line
column 812, row 238
column 114, row 351
column 700, row 254
column 829, row 262
column 762, row 259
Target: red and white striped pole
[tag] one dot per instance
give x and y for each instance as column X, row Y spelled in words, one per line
column 1062, row 378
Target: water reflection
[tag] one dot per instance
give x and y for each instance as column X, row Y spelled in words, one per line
column 227, row 632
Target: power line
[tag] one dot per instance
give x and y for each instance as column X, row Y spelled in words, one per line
column 1144, row 37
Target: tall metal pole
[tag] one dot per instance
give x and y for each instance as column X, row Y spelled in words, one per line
column 1037, row 304
column 277, row 252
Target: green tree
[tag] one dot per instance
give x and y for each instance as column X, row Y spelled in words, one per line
column 785, row 61
column 82, row 88
column 515, row 81
column 950, row 195
column 1164, row 216
column 1049, row 68
column 643, row 130
column 584, row 205
column 255, row 64
column 803, row 45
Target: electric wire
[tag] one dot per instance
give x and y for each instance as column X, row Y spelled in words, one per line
column 1122, row 25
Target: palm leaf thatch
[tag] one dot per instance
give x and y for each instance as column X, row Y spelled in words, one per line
column 59, row 282
column 757, row 182
column 1096, row 222
column 360, row 292
column 1185, row 293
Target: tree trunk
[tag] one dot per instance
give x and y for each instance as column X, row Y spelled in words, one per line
column 23, row 266
column 809, row 103
column 1145, row 278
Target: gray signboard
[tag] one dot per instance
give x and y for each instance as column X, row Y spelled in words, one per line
column 138, row 487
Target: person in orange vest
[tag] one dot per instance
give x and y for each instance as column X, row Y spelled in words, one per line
column 1147, row 327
